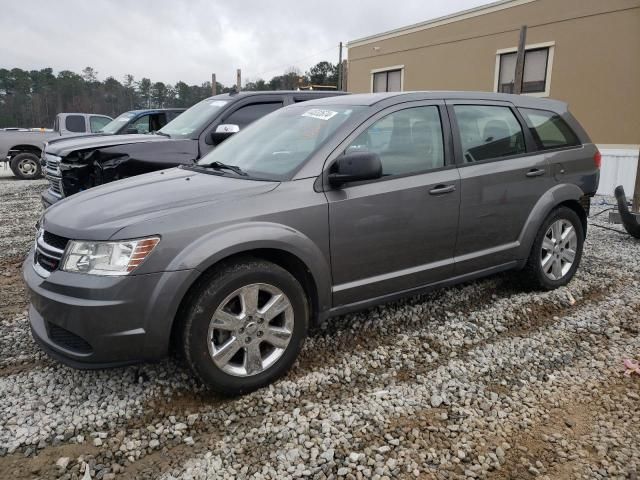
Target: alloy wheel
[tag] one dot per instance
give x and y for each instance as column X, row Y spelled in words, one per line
column 250, row 329
column 559, row 247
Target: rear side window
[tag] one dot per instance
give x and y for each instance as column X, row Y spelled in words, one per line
column 98, row 123
column 250, row 113
column 488, row 131
column 549, row 130
column 75, row 123
column 407, row 141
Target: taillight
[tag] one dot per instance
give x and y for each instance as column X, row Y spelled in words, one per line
column 597, row 159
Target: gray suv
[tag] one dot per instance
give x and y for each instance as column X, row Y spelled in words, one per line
column 315, row 210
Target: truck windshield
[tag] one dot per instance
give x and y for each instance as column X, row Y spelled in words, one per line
column 193, row 119
column 117, row 123
column 273, row 147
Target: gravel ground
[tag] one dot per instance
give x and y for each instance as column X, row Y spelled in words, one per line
column 481, row 380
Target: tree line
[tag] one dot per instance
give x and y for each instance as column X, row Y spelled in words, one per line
column 33, row 98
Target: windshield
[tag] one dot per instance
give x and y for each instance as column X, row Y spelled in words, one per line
column 275, row 146
column 117, row 123
column 193, row 119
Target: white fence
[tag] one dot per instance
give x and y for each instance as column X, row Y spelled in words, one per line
column 618, row 168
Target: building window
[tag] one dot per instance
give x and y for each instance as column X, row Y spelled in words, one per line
column 537, row 70
column 389, row 80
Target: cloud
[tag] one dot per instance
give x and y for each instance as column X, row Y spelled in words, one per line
column 188, row 40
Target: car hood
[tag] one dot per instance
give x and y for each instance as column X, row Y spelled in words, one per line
column 65, row 146
column 100, row 212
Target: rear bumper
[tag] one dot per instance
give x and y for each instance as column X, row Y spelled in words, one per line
column 88, row 321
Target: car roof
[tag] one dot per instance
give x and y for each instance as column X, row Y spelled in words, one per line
column 146, row 110
column 370, row 99
column 298, row 93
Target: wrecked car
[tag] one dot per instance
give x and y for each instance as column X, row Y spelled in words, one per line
column 78, row 164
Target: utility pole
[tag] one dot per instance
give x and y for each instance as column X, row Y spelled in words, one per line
column 635, row 206
column 214, row 85
column 340, row 67
column 517, row 88
column 238, row 80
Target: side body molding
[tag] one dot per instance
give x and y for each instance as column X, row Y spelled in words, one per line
column 243, row 237
column 551, row 199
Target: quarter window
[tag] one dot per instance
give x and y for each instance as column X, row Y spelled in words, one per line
column 549, row 130
column 534, row 79
column 407, row 141
column 389, row 81
column 75, row 123
column 488, row 132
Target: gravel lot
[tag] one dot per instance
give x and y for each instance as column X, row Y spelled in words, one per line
column 479, row 381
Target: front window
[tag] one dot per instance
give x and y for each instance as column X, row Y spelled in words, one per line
column 193, row 119
column 98, row 123
column 117, row 123
column 275, row 146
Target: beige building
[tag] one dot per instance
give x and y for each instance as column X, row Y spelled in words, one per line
column 584, row 52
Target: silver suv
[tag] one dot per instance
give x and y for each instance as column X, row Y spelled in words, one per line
column 317, row 209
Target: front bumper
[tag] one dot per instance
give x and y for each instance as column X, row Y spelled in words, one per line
column 89, row 321
column 49, row 199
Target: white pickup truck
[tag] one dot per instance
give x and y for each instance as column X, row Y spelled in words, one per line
column 21, row 148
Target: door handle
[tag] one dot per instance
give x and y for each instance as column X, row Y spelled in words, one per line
column 535, row 172
column 440, row 189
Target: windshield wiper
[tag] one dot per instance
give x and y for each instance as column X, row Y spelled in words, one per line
column 223, row 166
column 158, row 132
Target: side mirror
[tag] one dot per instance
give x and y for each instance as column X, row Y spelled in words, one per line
column 354, row 167
column 132, row 130
column 222, row 132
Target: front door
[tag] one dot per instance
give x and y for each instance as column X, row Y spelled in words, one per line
column 398, row 232
column 502, row 178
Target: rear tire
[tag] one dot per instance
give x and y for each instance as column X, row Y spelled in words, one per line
column 556, row 251
column 26, row 166
column 245, row 326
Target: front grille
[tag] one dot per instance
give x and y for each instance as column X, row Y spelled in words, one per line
column 52, row 173
column 68, row 340
column 49, row 252
column 55, row 185
column 54, row 240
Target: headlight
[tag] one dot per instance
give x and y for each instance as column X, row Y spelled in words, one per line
column 107, row 258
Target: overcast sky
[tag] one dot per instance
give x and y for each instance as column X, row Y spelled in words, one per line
column 169, row 40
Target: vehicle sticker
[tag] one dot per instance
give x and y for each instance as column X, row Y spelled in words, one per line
column 217, row 103
column 320, row 114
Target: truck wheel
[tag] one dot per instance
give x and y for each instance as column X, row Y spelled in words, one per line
column 245, row 326
column 556, row 251
column 26, row 166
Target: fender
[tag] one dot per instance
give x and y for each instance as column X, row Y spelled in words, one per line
column 224, row 242
column 547, row 202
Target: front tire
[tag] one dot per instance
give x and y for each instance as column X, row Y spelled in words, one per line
column 26, row 166
column 245, row 326
column 556, row 251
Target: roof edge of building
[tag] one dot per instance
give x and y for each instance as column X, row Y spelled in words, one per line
column 436, row 22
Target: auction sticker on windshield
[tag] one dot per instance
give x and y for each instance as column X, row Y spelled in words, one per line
column 320, row 114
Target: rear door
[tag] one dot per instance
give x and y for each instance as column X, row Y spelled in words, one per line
column 398, row 232
column 502, row 177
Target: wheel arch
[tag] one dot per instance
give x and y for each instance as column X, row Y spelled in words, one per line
column 567, row 195
column 305, row 264
column 24, row 148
